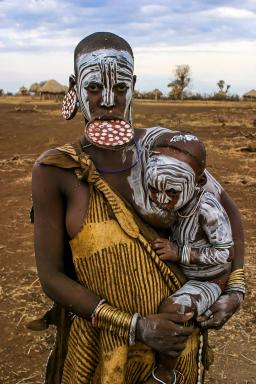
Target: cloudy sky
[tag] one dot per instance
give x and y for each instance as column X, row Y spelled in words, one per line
column 216, row 38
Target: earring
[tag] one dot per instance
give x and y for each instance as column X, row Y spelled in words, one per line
column 70, row 105
column 70, row 102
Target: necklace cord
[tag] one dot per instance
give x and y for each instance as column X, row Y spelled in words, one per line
column 161, row 381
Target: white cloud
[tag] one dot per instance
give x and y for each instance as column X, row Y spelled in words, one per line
column 153, row 9
column 230, row 12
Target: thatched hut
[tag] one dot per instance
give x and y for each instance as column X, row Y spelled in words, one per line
column 250, row 96
column 52, row 90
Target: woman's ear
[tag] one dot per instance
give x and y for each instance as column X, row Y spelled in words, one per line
column 72, row 82
column 202, row 180
column 134, row 81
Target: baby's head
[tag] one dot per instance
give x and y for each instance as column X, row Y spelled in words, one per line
column 175, row 169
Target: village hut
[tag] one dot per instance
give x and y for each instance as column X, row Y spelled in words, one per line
column 250, row 96
column 52, row 90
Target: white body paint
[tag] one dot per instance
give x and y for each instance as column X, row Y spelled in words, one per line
column 214, row 243
column 163, row 172
column 200, row 293
column 138, row 180
column 216, row 236
column 183, row 137
column 107, row 67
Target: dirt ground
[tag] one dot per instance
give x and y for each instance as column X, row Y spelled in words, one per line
column 27, row 127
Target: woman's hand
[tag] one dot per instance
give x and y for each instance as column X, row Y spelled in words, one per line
column 219, row 313
column 163, row 332
column 165, row 249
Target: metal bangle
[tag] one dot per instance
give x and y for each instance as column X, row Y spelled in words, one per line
column 132, row 334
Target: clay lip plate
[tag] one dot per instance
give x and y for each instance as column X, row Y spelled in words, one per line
column 109, row 133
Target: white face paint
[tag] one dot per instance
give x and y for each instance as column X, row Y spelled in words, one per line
column 106, row 68
column 165, row 173
column 183, row 137
column 149, row 210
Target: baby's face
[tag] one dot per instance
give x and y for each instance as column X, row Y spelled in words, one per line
column 164, row 199
column 171, row 182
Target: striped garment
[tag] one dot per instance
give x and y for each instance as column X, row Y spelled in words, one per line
column 113, row 259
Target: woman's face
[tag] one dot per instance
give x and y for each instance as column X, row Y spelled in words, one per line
column 104, row 83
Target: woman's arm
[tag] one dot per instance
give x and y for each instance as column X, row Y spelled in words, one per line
column 230, row 301
column 49, row 230
column 237, row 230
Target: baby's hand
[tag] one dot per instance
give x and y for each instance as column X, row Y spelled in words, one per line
column 165, row 249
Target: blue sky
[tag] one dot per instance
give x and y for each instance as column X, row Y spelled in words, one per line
column 216, row 38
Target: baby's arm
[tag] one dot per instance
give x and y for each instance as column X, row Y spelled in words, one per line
column 197, row 295
column 214, row 222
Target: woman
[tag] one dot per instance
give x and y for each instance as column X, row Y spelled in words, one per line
column 88, row 193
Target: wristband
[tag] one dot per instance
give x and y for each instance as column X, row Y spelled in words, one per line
column 236, row 282
column 112, row 319
column 132, row 334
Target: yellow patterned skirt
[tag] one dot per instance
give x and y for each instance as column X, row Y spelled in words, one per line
column 114, row 260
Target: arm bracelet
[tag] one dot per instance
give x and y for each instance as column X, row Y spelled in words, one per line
column 112, row 319
column 236, row 282
column 132, row 334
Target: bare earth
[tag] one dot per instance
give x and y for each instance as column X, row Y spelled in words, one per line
column 229, row 132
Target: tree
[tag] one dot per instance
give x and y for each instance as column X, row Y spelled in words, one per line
column 157, row 93
column 181, row 81
column 222, row 92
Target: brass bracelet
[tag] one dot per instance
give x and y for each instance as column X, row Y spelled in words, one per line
column 236, row 281
column 113, row 319
column 100, row 303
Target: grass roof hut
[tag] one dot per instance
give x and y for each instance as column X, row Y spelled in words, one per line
column 52, row 90
column 250, row 96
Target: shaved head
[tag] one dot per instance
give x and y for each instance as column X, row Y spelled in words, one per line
column 187, row 143
column 101, row 40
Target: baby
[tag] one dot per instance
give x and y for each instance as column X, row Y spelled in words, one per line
column 201, row 239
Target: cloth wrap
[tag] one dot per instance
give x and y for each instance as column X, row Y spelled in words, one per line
column 113, row 257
